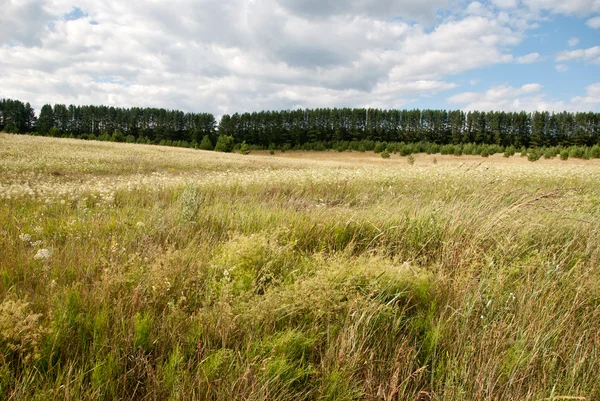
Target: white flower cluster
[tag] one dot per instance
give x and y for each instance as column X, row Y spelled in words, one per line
column 43, row 254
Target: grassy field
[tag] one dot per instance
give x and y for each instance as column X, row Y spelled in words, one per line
column 153, row 273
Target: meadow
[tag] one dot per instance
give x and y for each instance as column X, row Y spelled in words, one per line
column 151, row 273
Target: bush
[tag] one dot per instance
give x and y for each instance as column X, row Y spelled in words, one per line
column 411, row 160
column 104, row 137
column 404, row 150
column 533, row 155
column 510, row 151
column 564, row 154
column 225, row 143
column 117, row 136
column 206, row 143
column 54, row 132
column 385, row 154
column 244, row 148
column 523, row 151
column 380, row 147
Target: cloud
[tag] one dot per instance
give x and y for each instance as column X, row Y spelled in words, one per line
column 528, row 97
column 505, row 3
column 573, row 42
column 242, row 55
column 529, row 58
column 23, row 22
column 594, row 23
column 590, row 100
column 562, row 67
column 378, row 9
column 591, row 55
column 567, row 7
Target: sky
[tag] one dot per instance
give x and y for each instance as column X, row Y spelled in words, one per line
column 227, row 56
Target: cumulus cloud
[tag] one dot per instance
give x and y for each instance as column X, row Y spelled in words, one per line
column 568, row 7
column 562, row 67
column 23, row 22
column 240, row 55
column 594, row 23
column 591, row 55
column 245, row 55
column 380, row 9
column 505, row 3
column 529, row 97
column 529, row 58
column 573, row 42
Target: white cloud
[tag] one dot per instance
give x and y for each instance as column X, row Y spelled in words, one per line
column 380, row 9
column 529, row 58
column 237, row 55
column 573, row 42
column 528, row 97
column 562, row 67
column 590, row 100
column 568, row 7
column 505, row 3
column 594, row 23
column 591, row 55
column 23, row 22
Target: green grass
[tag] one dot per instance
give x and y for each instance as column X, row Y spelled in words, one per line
column 261, row 277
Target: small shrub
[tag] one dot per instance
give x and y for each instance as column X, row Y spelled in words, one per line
column 117, row 136
column 533, row 155
column 564, row 154
column 510, row 151
column 244, row 148
column 271, row 152
column 523, row 151
column 380, row 147
column 225, row 143
column 385, row 154
column 411, row 160
column 206, row 144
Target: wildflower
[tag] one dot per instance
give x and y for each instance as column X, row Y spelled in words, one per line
column 42, row 254
column 25, row 237
column 140, row 224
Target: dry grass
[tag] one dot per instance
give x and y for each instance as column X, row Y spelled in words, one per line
column 146, row 272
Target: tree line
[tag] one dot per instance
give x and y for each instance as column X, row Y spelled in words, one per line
column 323, row 128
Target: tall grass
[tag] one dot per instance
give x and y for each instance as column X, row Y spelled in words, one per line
column 286, row 280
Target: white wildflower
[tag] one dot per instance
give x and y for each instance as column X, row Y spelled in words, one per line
column 25, row 237
column 42, row 254
column 140, row 224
